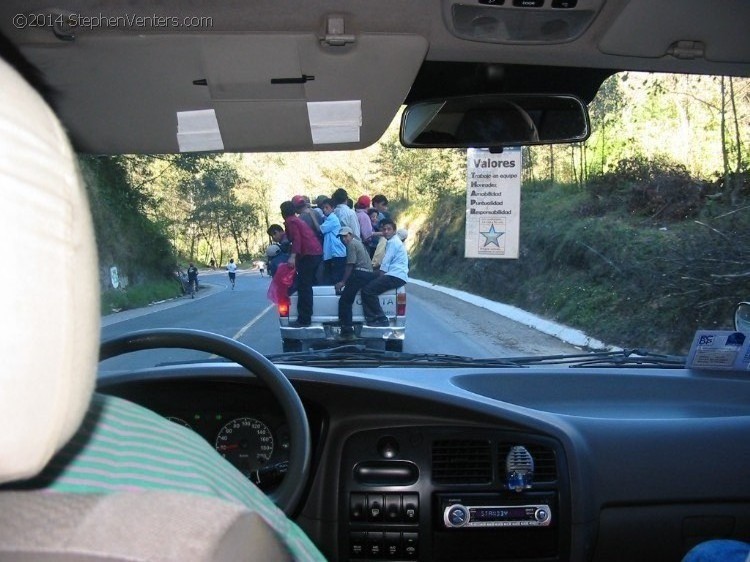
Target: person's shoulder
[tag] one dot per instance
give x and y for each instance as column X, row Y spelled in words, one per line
column 362, row 250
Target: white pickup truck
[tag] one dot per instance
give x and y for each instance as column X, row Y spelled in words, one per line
column 325, row 331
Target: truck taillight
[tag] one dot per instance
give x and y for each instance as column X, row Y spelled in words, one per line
column 284, row 309
column 401, row 304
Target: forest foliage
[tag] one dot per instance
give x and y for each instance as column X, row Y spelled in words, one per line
column 639, row 229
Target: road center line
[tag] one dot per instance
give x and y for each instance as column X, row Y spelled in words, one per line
column 247, row 326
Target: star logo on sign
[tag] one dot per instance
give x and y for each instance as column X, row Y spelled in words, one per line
column 491, row 236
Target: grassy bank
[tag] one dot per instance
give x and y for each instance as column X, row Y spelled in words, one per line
column 136, row 296
column 601, row 263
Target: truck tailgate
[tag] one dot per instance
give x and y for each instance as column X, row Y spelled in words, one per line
column 326, row 305
column 325, row 330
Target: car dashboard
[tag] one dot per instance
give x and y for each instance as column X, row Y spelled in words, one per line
column 537, row 464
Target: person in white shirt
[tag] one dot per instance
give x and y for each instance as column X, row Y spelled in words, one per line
column 393, row 273
column 379, row 253
column 232, row 269
column 346, row 215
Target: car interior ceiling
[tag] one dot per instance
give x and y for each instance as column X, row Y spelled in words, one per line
column 409, row 50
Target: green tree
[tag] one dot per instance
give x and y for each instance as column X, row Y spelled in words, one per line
column 420, row 176
column 217, row 219
column 605, row 113
column 126, row 236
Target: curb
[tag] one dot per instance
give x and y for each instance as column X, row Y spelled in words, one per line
column 560, row 331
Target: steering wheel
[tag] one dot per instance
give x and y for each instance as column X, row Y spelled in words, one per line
column 288, row 494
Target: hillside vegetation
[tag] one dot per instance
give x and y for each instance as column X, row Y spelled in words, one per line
column 602, row 260
column 126, row 236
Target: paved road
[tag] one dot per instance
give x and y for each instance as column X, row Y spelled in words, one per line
column 436, row 323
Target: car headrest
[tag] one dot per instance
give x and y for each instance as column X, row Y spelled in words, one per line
column 49, row 325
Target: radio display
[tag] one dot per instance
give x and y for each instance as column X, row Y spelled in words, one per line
column 500, row 514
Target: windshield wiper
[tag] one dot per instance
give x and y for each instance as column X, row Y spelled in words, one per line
column 625, row 357
column 366, row 356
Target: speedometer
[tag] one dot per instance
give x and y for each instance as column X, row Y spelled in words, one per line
column 247, row 443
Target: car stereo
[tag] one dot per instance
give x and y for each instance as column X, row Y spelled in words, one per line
column 457, row 515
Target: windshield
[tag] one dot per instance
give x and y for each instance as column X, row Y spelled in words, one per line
column 635, row 238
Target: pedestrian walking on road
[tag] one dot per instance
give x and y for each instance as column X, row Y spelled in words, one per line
column 192, row 273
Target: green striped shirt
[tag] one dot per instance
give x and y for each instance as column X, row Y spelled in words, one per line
column 121, row 446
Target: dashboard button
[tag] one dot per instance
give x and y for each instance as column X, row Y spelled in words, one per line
column 392, row 545
column 375, row 507
column 410, row 542
column 357, row 507
column 392, row 508
column 411, row 508
column 375, row 544
column 357, row 544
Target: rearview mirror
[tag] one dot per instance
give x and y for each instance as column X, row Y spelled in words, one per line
column 494, row 121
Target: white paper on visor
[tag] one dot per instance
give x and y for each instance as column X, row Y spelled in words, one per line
column 335, row 121
column 198, row 131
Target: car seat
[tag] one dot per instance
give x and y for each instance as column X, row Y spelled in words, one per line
column 49, row 346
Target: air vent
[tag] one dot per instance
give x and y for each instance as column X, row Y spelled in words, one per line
column 461, row 461
column 545, row 468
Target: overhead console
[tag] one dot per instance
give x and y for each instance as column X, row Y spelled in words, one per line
column 520, row 21
column 439, row 493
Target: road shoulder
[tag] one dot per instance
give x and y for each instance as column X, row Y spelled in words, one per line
column 561, row 332
column 205, row 290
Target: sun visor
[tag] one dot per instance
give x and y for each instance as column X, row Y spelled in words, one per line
column 314, row 96
column 259, row 88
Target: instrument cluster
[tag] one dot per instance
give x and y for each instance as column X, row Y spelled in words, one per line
column 258, row 446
